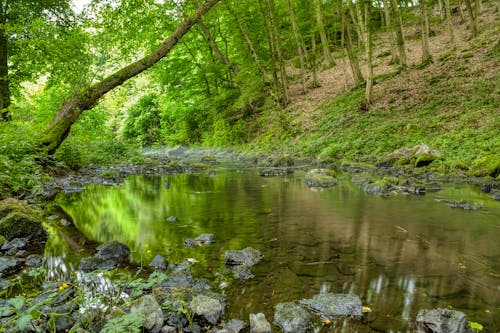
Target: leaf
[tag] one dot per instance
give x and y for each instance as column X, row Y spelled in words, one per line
column 366, row 309
column 23, row 322
column 17, row 302
column 475, row 326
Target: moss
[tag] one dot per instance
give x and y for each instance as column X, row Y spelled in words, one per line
column 405, row 160
column 424, row 160
column 283, row 161
column 321, row 178
column 10, row 204
column 208, row 160
column 486, row 165
column 198, row 166
column 20, row 225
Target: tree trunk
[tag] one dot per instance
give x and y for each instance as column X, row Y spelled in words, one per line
column 322, row 33
column 4, row 68
column 390, row 33
column 218, row 53
column 460, row 10
column 441, row 9
column 357, row 25
column 368, row 48
column 472, row 18
column 84, row 100
column 314, row 63
column 300, row 48
column 426, row 54
column 450, row 24
column 347, row 45
column 400, row 40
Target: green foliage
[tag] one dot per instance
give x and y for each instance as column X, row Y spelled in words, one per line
column 143, row 124
column 476, row 327
column 128, row 323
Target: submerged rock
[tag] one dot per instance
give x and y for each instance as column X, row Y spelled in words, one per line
column 203, row 239
column 291, row 318
column 248, row 256
column 442, row 321
column 320, row 178
column 172, row 219
column 464, row 205
column 330, row 305
column 495, row 195
column 274, row 172
column 259, row 324
column 233, row 326
column 211, row 309
column 109, row 255
column 34, row 261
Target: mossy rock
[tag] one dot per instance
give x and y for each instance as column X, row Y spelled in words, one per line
column 405, row 160
column 209, row 160
column 198, row 166
column 424, row 160
column 174, row 167
column 20, row 225
column 282, row 161
column 486, row 165
column 10, row 204
column 321, row 178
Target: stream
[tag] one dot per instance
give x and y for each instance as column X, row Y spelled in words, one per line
column 399, row 254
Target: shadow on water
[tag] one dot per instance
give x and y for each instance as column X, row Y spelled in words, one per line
column 400, row 254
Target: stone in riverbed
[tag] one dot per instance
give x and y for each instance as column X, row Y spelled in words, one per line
column 495, row 195
column 291, row 318
column 464, row 205
column 153, row 315
column 320, row 178
column 109, row 255
column 330, row 305
column 248, row 256
column 20, row 225
column 203, row 239
column 211, row 309
column 159, row 263
column 34, row 261
column 442, row 321
column 16, row 243
column 9, row 265
column 259, row 324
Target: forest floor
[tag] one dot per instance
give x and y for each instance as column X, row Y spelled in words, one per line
column 451, row 104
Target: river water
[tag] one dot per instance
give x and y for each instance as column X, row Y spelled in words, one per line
column 399, row 254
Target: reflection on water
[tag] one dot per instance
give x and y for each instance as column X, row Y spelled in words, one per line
column 400, row 254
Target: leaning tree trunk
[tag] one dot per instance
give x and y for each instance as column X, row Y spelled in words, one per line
column 213, row 45
column 84, row 100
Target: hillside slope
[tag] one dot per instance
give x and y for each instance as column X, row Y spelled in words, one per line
column 452, row 105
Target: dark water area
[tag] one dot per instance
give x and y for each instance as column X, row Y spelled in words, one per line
column 399, row 254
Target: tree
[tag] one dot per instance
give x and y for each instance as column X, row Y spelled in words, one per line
column 426, row 54
column 85, row 99
column 17, row 18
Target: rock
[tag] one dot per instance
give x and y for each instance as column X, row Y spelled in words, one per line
column 242, row 272
column 21, row 225
column 34, row 261
column 329, row 305
column 376, row 189
column 259, row 324
column 209, row 308
column 464, row 205
column 282, row 161
column 159, row 263
column 172, row 219
column 495, row 195
column 235, row 326
column 208, row 160
column 274, row 172
column 248, row 256
column 9, row 265
column 486, row 165
column 166, row 185
column 4, row 284
column 178, row 279
column 153, row 315
column 442, row 321
column 109, row 255
column 203, row 239
column 320, row 178
column 202, row 284
column 420, row 155
column 291, row 318
column 16, row 243
column 169, row 329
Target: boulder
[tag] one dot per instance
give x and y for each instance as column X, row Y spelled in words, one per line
column 153, row 315
column 211, row 309
column 291, row 318
column 419, row 155
column 9, row 266
column 320, row 178
column 109, row 255
column 486, row 165
column 18, row 224
column 442, row 321
column 259, row 324
column 16, row 244
column 330, row 305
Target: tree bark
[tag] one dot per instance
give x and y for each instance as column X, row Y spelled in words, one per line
column 4, row 67
column 450, row 24
column 368, row 49
column 426, row 53
column 71, row 110
column 400, row 40
column 390, row 33
column 472, row 18
column 300, row 48
column 347, row 45
column 322, row 33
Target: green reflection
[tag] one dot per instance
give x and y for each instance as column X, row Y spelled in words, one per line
column 400, row 254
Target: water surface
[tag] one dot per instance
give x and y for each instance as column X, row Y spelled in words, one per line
column 400, row 254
